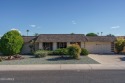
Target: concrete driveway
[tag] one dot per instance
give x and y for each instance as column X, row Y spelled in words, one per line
column 111, row 59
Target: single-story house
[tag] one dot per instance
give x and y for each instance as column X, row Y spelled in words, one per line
column 96, row 44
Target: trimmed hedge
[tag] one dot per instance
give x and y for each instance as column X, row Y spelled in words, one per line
column 84, row 51
column 61, row 51
column 41, row 53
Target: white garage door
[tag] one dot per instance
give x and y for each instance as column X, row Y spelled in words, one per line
column 98, row 47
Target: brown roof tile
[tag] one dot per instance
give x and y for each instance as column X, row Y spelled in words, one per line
column 100, row 38
column 68, row 38
column 120, row 37
column 28, row 38
column 61, row 38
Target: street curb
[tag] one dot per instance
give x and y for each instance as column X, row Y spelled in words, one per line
column 61, row 67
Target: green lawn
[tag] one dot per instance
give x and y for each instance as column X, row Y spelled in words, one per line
column 49, row 60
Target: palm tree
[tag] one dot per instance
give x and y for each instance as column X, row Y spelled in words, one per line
column 27, row 32
column 101, row 33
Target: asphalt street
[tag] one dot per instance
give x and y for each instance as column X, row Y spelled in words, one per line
column 63, row 76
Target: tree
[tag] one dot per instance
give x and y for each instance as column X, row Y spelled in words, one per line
column 11, row 43
column 27, row 32
column 91, row 34
column 101, row 33
column 36, row 34
column 72, row 33
column 110, row 35
column 119, row 44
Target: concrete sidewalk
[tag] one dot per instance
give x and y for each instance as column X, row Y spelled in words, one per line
column 62, row 67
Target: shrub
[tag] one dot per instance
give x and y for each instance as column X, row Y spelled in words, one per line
column 41, row 53
column 11, row 43
column 50, row 52
column 61, row 51
column 0, row 59
column 119, row 44
column 74, row 51
column 84, row 51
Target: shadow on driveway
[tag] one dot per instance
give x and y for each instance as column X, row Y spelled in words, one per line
column 122, row 58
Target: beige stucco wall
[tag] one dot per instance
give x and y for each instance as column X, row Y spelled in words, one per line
column 36, row 46
column 98, row 47
column 26, row 48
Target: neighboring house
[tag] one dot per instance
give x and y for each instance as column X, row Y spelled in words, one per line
column 97, row 44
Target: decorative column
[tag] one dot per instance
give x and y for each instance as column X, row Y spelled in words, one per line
column 54, row 45
column 82, row 45
column 68, row 43
column 40, row 45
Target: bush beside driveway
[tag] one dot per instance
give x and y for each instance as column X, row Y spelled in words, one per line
column 29, row 60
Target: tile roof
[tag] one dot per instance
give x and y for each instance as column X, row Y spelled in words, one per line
column 69, row 38
column 28, row 38
column 61, row 38
column 100, row 38
column 120, row 37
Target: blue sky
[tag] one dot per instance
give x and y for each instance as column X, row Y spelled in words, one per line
column 63, row 16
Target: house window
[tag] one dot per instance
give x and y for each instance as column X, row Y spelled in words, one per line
column 47, row 45
column 79, row 43
column 61, row 44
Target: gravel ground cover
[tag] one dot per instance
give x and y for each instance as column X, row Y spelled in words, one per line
column 28, row 60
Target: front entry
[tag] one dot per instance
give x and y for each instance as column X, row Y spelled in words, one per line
column 47, row 45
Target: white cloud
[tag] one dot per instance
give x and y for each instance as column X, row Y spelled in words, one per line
column 74, row 22
column 32, row 26
column 115, row 27
column 16, row 30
